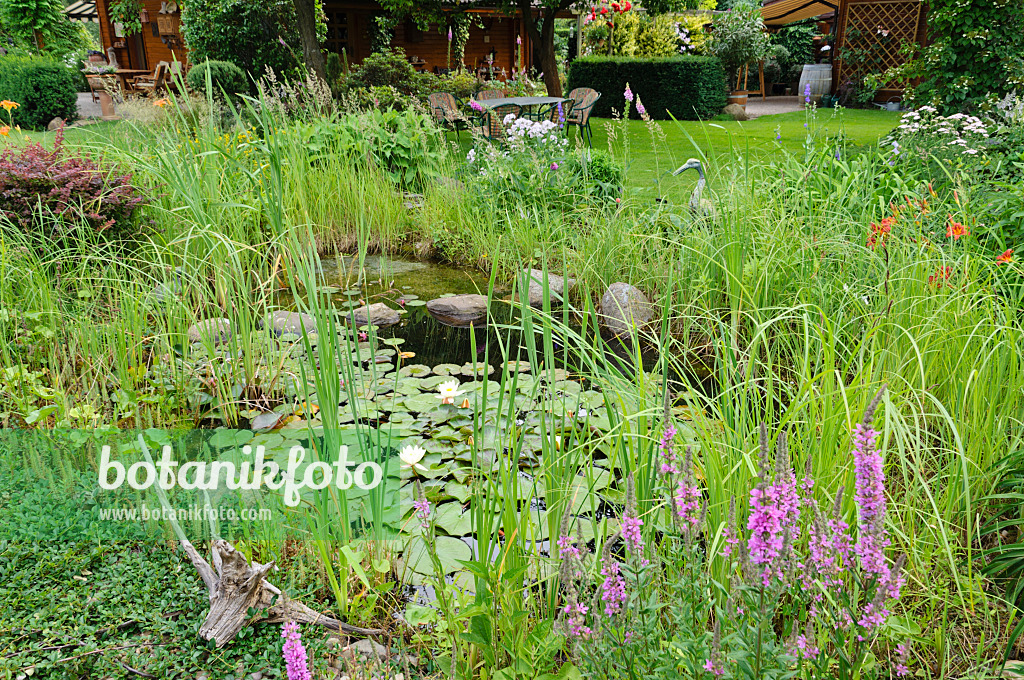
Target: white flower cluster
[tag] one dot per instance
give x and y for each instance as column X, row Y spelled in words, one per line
column 956, row 130
column 539, row 131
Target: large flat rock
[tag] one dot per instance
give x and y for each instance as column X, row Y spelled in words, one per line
column 459, row 310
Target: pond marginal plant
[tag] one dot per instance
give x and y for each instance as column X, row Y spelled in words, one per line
column 807, row 590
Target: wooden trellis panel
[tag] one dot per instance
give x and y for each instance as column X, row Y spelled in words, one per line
column 901, row 18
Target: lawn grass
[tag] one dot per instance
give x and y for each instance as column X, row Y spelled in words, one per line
column 653, row 154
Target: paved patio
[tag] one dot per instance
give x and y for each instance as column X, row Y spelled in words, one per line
column 87, row 108
column 766, row 107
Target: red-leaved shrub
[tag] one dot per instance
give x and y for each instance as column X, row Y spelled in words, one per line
column 54, row 192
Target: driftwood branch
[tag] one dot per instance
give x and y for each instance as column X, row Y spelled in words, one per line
column 236, row 587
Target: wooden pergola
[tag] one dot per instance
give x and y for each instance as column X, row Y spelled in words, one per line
column 879, row 28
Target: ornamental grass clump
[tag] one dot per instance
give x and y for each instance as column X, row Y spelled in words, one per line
column 809, row 592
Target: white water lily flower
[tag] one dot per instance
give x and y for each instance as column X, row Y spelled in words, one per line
column 447, row 391
column 582, row 414
column 411, row 455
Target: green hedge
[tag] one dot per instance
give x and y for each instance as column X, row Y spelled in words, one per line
column 45, row 89
column 690, row 87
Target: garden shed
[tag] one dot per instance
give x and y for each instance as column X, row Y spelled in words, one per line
column 350, row 26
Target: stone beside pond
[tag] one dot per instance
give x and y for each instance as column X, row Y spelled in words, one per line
column 459, row 310
column 377, row 314
column 625, row 308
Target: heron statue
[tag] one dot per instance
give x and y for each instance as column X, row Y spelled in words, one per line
column 699, row 206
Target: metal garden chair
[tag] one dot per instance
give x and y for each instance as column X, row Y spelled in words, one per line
column 444, row 107
column 491, row 123
column 584, row 99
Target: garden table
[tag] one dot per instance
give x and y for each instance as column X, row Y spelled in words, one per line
column 127, row 74
column 524, row 102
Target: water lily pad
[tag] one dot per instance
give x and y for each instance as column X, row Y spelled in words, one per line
column 446, row 295
column 394, row 342
column 451, row 552
column 414, row 370
column 352, row 293
column 459, row 491
column 471, row 371
column 265, row 421
column 415, row 303
column 451, row 519
column 447, row 369
column 516, row 366
column 431, row 382
column 421, row 403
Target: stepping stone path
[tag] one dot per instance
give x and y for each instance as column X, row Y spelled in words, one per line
column 459, row 310
column 377, row 314
column 624, row 308
column 284, row 323
column 210, row 330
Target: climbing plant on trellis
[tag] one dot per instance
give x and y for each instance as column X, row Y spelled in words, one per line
column 873, row 37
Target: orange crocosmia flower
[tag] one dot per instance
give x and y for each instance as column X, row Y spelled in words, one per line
column 5, row 130
column 955, row 230
column 1006, row 257
column 8, row 105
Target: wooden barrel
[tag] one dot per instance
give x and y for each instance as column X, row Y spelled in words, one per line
column 819, row 77
column 738, row 97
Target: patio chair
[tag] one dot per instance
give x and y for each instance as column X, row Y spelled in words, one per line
column 490, row 124
column 584, row 99
column 153, row 83
column 489, row 94
column 444, row 107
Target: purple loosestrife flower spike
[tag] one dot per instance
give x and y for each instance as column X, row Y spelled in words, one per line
column 294, row 653
column 902, row 658
column 713, row 663
column 628, row 94
column 667, row 438
column 807, row 94
column 449, row 34
column 869, row 497
column 613, row 588
column 640, row 107
column 631, row 522
column 687, row 495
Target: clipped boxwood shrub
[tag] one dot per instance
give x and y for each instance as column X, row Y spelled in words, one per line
column 690, row 87
column 224, row 77
column 44, row 89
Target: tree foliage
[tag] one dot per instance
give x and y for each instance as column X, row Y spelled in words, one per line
column 41, row 27
column 252, row 34
column 975, row 50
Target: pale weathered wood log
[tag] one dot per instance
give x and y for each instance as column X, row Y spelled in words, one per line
column 236, row 586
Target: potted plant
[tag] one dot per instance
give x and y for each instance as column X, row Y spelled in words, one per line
column 738, row 39
column 102, row 82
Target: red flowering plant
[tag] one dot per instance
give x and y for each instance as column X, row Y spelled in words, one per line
column 606, row 12
column 53, row 193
